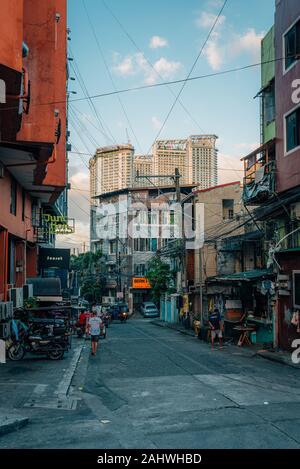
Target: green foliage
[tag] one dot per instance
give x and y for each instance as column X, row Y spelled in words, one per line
column 30, row 302
column 160, row 278
column 92, row 281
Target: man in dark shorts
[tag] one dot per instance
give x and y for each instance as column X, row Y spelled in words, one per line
column 94, row 329
column 215, row 327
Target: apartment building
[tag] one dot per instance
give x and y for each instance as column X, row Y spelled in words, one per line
column 168, row 155
column 196, row 158
column 111, row 169
column 143, row 166
column 202, row 161
column 129, row 231
column 272, row 172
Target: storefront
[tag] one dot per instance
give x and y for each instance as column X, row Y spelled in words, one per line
column 140, row 291
column 288, row 302
column 246, row 298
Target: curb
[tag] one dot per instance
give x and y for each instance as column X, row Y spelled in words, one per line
column 64, row 385
column 11, row 424
column 277, row 359
column 264, row 355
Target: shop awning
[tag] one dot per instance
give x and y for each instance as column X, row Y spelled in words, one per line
column 249, row 276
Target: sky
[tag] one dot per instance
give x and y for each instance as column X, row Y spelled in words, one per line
column 121, row 44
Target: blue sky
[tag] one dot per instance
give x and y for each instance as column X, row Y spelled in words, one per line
column 170, row 34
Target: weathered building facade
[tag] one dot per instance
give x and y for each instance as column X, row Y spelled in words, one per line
column 33, row 163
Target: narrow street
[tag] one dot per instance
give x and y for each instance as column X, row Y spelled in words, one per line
column 152, row 387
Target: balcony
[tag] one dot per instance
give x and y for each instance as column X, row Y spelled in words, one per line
column 259, row 175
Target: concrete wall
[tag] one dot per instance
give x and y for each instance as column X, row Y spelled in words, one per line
column 206, row 263
column 14, row 223
column 46, row 66
column 11, row 36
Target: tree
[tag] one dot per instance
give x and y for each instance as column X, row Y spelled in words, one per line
column 160, row 278
column 92, row 280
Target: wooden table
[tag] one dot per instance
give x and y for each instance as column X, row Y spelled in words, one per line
column 244, row 337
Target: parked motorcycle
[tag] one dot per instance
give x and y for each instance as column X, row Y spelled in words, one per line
column 37, row 342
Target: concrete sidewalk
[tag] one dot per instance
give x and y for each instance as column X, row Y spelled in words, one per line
column 36, row 383
column 277, row 356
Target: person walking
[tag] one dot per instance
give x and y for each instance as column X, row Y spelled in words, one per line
column 94, row 329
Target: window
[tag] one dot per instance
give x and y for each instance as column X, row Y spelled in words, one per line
column 228, row 209
column 269, row 104
column 292, row 45
column 140, row 270
column 293, row 130
column 112, row 247
column 13, row 197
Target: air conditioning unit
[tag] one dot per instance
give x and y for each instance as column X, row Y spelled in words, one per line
column 16, row 296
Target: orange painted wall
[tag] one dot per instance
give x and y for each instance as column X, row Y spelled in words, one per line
column 11, row 37
column 13, row 223
column 46, row 66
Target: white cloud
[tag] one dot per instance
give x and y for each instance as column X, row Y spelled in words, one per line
column 137, row 64
column 126, row 67
column 207, row 20
column 224, row 44
column 163, row 68
column 220, row 50
column 214, row 54
column 158, row 41
column 249, row 42
column 156, row 122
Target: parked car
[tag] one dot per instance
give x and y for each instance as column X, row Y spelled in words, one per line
column 149, row 310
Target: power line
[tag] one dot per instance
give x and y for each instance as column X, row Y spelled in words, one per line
column 148, row 61
column 191, row 71
column 109, row 73
column 155, row 85
column 84, row 89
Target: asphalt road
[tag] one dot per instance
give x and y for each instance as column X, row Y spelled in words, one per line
column 152, row 387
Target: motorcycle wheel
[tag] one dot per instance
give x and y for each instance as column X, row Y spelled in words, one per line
column 16, row 352
column 56, row 354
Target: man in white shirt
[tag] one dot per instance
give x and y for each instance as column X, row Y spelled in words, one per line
column 94, row 326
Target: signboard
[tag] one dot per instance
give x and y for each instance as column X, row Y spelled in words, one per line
column 140, row 282
column 52, row 257
column 59, row 224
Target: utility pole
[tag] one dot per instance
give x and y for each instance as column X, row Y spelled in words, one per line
column 177, row 184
